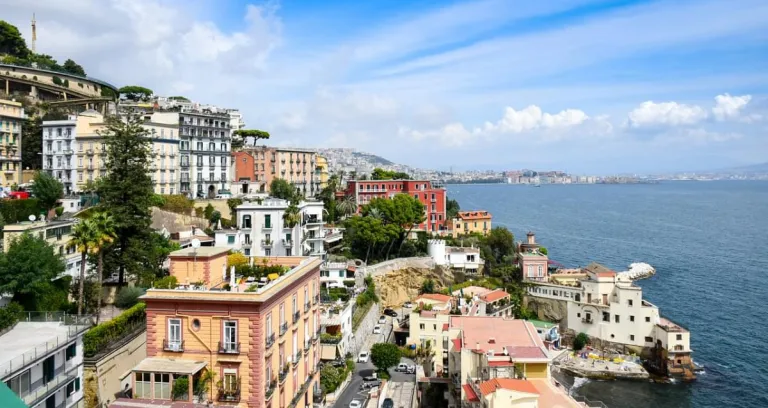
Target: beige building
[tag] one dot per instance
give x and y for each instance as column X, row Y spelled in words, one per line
column 300, row 167
column 11, row 119
column 75, row 153
column 57, row 233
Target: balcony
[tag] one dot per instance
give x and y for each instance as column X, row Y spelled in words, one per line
column 229, row 348
column 53, row 385
column 316, row 300
column 270, row 390
column 266, row 243
column 231, row 393
column 287, row 243
column 297, row 358
column 307, row 345
column 307, row 306
column 312, row 221
column 173, row 346
column 266, row 226
column 89, row 152
column 283, row 328
column 283, row 374
column 587, row 320
column 68, row 152
column 316, row 336
column 296, row 317
column 270, row 340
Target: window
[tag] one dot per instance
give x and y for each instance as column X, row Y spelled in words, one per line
column 421, row 326
column 295, row 304
column 268, row 221
column 434, row 327
column 230, row 335
column 632, row 337
column 679, row 347
column 629, row 302
column 267, row 251
column 541, row 271
column 143, row 385
column 679, row 336
column 230, row 379
column 269, row 326
column 606, row 317
column 648, row 339
column 174, row 333
column 647, row 319
column 20, row 384
column 282, row 313
column 230, row 239
column 71, row 351
column 162, row 386
column 631, row 318
column 246, row 221
column 616, row 318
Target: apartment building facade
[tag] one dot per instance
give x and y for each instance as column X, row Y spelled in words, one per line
column 57, row 233
column 430, row 194
column 11, row 121
column 471, row 222
column 205, row 151
column 301, row 167
column 261, row 345
column 75, row 152
column 262, row 230
column 41, row 360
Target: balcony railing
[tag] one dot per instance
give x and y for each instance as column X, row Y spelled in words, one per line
column 300, row 394
column 587, row 320
column 266, row 226
column 287, row 243
column 174, row 346
column 316, row 300
column 230, row 394
column 307, row 345
column 266, row 243
column 307, row 306
column 270, row 390
column 270, row 340
column 283, row 373
column 296, row 317
column 297, row 358
column 45, row 391
column 283, row 328
column 229, row 348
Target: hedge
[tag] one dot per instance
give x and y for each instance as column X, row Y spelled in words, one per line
column 9, row 315
column 99, row 337
column 14, row 211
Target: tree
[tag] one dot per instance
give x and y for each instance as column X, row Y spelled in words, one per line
column 104, row 230
column 237, row 259
column 233, row 203
column 179, row 98
column 580, row 341
column 381, row 174
column 47, row 189
column 136, row 93
column 347, row 206
column 240, row 136
column 385, row 355
column 84, row 237
column 501, row 244
column 215, row 217
column 452, row 209
column 11, row 41
column 403, row 211
column 73, row 68
column 28, row 270
column 126, row 191
column 280, row 188
column 146, row 257
column 428, row 286
column 179, row 204
column 366, row 236
column 32, row 143
column 543, row 250
column 208, row 211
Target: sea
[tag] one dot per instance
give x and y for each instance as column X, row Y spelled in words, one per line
column 708, row 242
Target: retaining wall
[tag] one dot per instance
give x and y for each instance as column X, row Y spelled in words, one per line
column 362, row 334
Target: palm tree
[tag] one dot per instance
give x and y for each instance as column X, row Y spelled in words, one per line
column 104, row 234
column 347, row 206
column 291, row 217
column 375, row 213
column 84, row 239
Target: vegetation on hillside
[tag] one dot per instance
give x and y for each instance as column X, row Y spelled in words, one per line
column 14, row 50
column 381, row 174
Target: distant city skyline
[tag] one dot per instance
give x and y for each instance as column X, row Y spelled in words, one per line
column 591, row 86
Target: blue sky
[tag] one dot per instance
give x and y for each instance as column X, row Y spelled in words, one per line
column 594, row 87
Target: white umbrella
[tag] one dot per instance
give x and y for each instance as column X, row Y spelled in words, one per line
column 232, row 279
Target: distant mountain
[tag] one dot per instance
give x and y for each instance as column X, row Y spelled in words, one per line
column 753, row 168
column 373, row 159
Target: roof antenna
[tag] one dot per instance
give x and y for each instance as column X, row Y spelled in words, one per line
column 34, row 33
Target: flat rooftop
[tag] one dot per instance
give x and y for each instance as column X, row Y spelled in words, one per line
column 200, row 252
column 402, row 393
column 484, row 333
column 26, row 336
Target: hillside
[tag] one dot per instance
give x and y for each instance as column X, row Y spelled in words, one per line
column 373, row 159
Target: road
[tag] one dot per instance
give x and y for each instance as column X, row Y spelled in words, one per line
column 353, row 390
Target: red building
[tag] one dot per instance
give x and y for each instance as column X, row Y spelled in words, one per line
column 432, row 196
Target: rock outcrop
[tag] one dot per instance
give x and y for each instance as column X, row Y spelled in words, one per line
column 548, row 309
column 399, row 286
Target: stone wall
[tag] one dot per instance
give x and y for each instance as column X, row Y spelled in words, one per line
column 102, row 372
column 392, row 265
column 357, row 343
column 568, row 336
column 548, row 309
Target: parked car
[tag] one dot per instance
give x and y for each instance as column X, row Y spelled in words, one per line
column 408, row 305
column 382, row 319
column 388, row 403
column 402, row 367
column 370, row 384
column 372, row 377
column 390, row 312
column 355, row 404
column 363, row 357
column 411, row 370
column 338, row 363
column 376, row 329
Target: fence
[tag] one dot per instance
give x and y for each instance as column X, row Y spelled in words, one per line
column 75, row 325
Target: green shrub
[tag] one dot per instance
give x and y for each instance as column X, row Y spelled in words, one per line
column 102, row 335
column 57, row 81
column 14, row 211
column 128, row 296
column 580, row 341
column 167, row 282
column 59, row 211
column 180, row 388
column 9, row 315
column 157, row 200
column 350, row 283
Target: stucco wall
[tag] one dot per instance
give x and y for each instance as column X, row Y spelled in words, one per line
column 366, row 327
column 102, row 375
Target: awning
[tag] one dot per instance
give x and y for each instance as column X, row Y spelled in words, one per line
column 169, row 365
column 328, row 352
column 471, row 395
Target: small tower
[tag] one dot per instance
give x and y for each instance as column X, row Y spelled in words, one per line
column 34, row 32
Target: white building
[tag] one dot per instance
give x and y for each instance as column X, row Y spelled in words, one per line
column 261, row 230
column 41, row 359
column 460, row 259
column 205, row 152
column 57, row 233
column 333, row 274
column 336, row 323
column 59, row 146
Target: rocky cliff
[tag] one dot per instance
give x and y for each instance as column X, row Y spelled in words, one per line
column 548, row 309
column 399, row 286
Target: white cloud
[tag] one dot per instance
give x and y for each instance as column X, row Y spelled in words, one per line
column 728, row 107
column 650, row 113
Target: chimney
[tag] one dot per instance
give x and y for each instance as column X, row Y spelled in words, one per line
column 477, row 346
column 531, row 238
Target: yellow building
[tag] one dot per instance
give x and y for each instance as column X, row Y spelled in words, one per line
column 11, row 120
column 57, row 233
column 259, row 341
column 470, row 222
column 321, row 167
column 75, row 153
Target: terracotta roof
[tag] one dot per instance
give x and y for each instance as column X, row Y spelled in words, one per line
column 494, row 295
column 435, row 296
column 471, row 396
column 473, row 215
column 489, row 387
column 494, row 333
column 599, row 270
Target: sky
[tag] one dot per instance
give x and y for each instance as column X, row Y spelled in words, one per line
column 584, row 86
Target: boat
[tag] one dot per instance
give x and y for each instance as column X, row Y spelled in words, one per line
column 537, row 185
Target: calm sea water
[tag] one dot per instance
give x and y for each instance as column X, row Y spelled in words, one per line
column 709, row 244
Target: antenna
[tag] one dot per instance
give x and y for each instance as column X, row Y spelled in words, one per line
column 34, row 32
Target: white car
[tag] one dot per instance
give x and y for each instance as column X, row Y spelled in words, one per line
column 355, row 404
column 376, row 329
column 382, row 319
column 408, row 305
column 363, row 357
